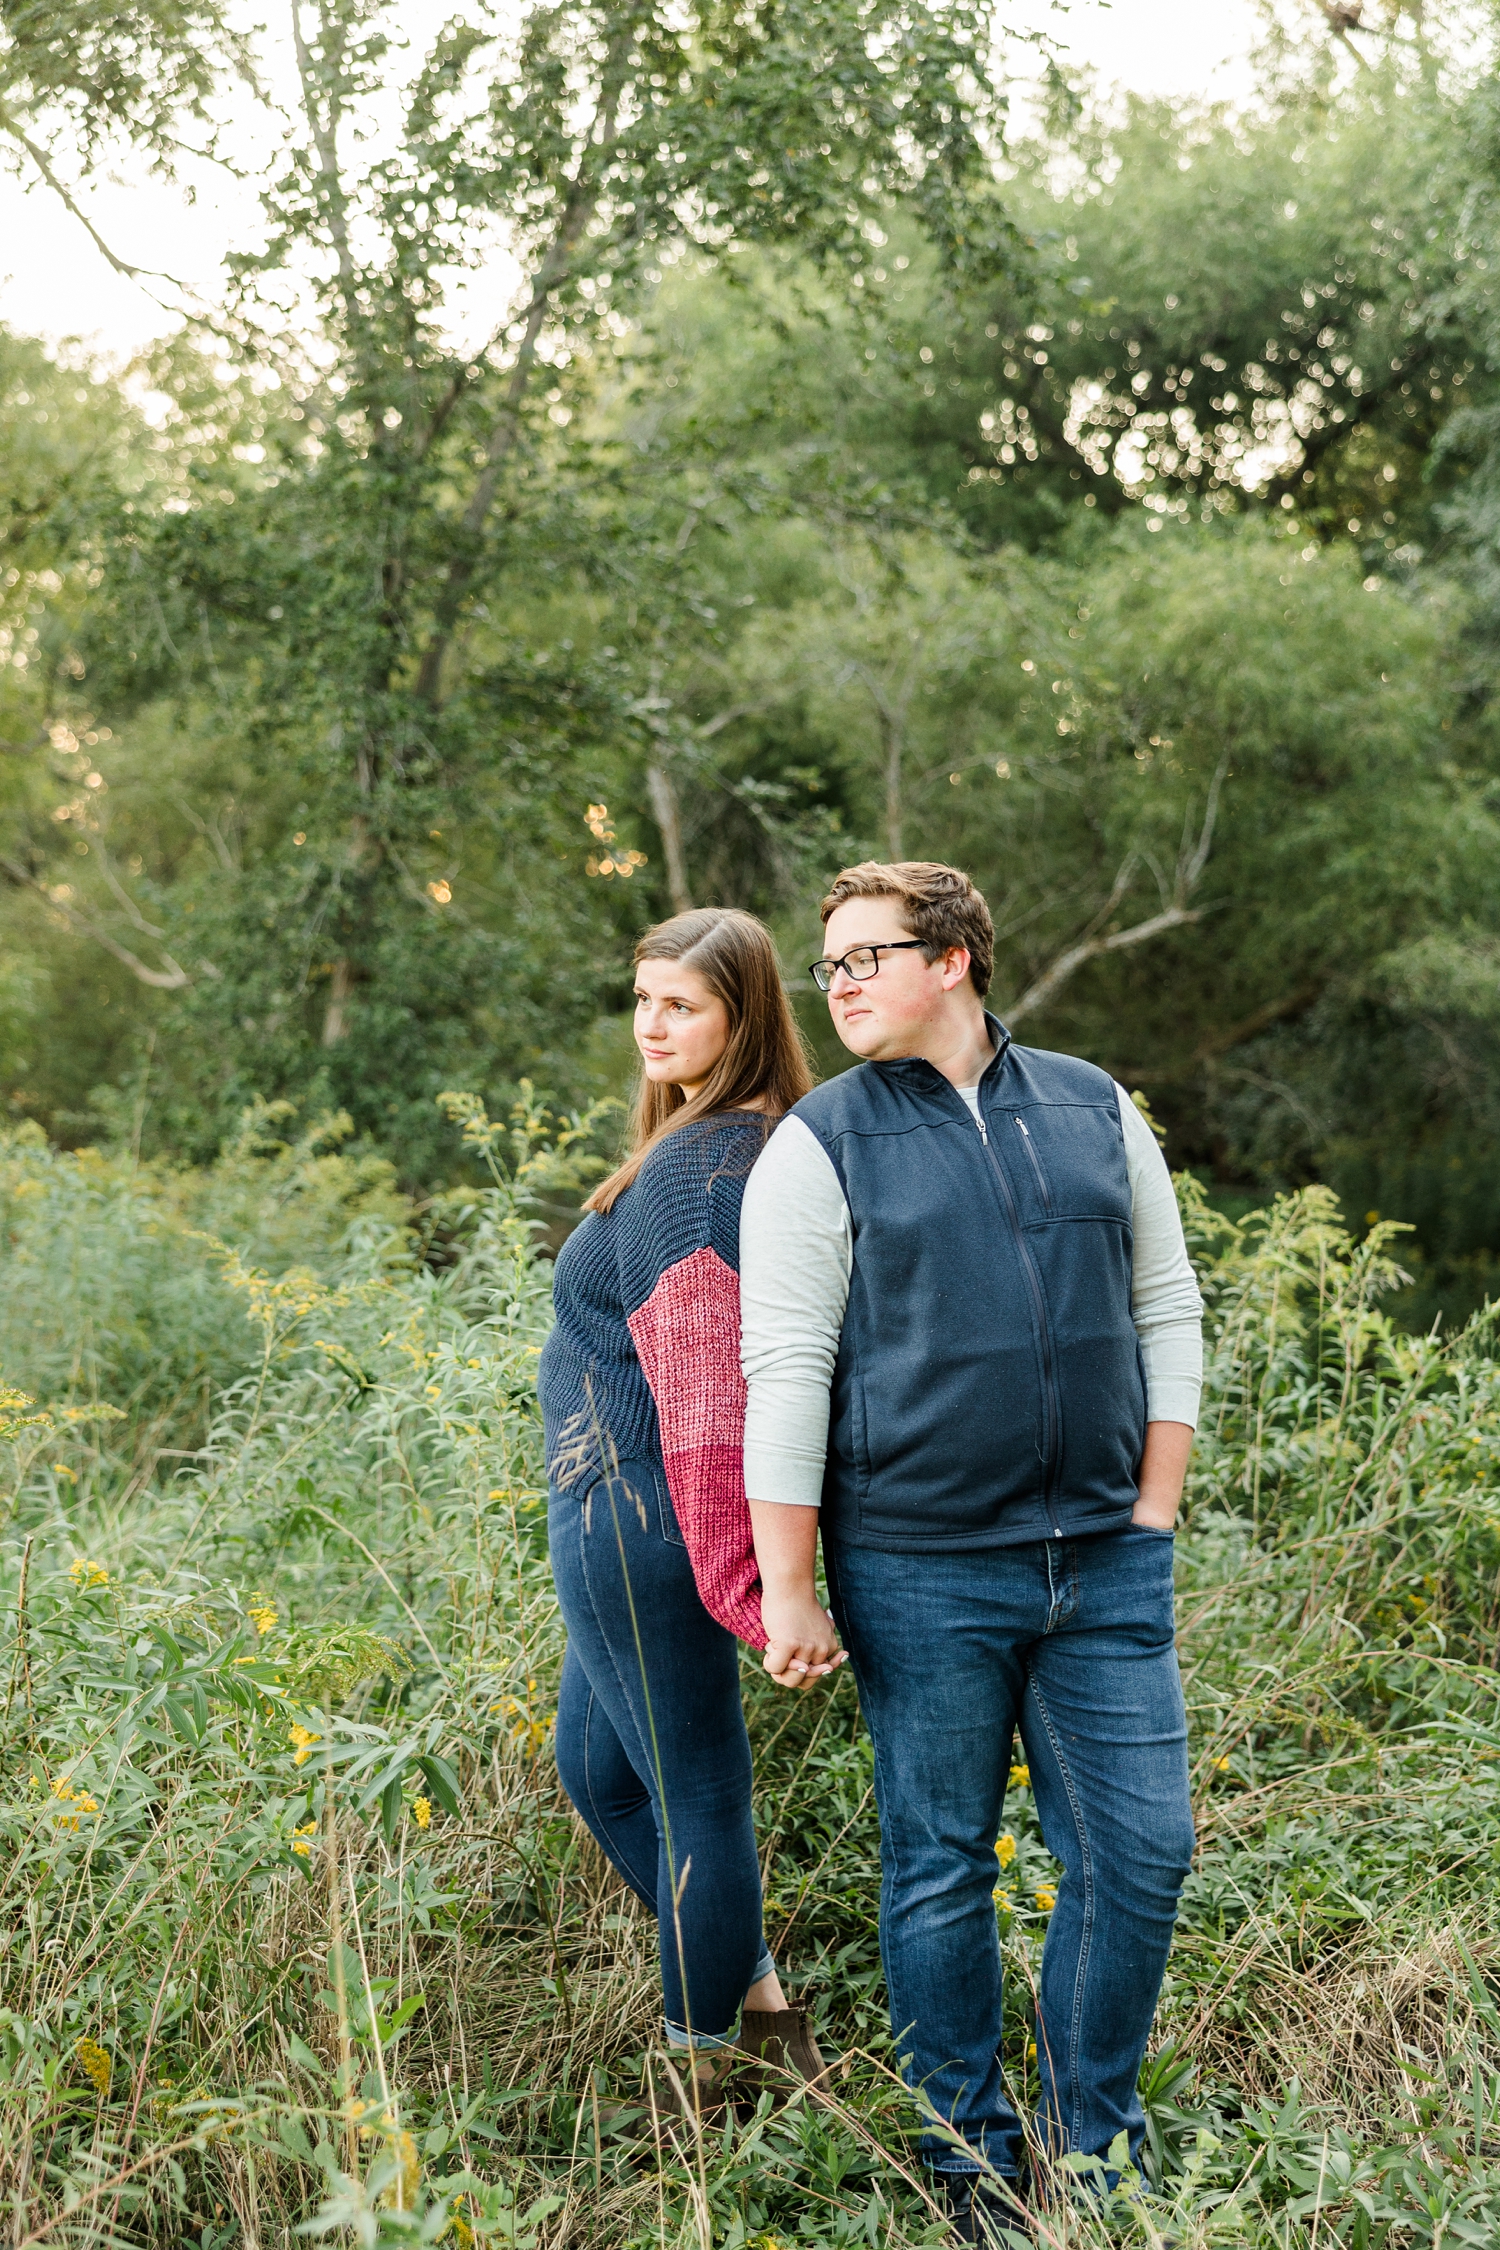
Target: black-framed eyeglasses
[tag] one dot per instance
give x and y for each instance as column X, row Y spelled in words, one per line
column 861, row 964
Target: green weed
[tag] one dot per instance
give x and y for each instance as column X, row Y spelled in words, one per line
column 299, row 1940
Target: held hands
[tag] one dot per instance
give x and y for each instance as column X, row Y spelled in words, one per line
column 803, row 1645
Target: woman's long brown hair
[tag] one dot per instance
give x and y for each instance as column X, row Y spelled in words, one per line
column 764, row 1060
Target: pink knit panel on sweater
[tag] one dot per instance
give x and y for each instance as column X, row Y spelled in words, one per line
column 687, row 1337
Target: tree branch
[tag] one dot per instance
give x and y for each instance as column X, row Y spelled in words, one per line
column 1057, row 975
column 1224, row 1042
column 324, row 131
column 9, row 124
column 170, row 979
column 582, row 200
column 1192, row 858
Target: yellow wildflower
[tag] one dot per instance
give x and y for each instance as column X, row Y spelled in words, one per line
column 1031, row 2050
column 13, row 1404
column 463, row 2233
column 87, row 1574
column 263, row 1615
column 1003, row 1898
column 77, row 1801
column 61, row 1469
column 1005, row 1849
column 402, row 2193
column 97, row 2065
column 304, row 1744
column 1221, row 1765
column 422, row 1812
column 1046, row 1897
column 530, row 1731
column 1020, row 1777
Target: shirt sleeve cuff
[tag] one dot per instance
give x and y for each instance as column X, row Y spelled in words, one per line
column 790, row 1479
column 1175, row 1400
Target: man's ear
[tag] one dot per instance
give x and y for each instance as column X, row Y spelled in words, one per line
column 955, row 966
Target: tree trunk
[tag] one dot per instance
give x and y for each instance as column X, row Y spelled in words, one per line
column 890, row 737
column 335, row 1016
column 664, row 806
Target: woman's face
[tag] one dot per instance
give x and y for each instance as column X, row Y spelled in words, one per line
column 680, row 1027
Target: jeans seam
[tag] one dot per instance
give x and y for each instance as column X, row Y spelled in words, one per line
column 1080, row 1829
column 645, row 1884
column 643, row 1746
column 879, row 1765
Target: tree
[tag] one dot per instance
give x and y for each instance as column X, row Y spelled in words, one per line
column 352, row 602
column 81, row 78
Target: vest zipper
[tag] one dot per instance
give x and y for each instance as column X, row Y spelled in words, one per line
column 1036, row 1162
column 1051, row 1403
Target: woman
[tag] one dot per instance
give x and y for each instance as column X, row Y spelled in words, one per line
column 643, row 1403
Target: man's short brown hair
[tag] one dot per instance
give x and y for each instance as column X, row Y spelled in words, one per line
column 939, row 905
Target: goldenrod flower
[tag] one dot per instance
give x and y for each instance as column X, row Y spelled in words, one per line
column 302, row 1848
column 78, row 1801
column 1005, row 1849
column 529, row 1732
column 1031, row 2050
column 1020, row 1777
column 1046, row 1897
column 1003, row 1898
column 304, row 1744
column 403, row 2191
column 263, row 1615
column 61, row 1469
column 97, row 2065
column 422, row 1812
column 87, row 1574
column 1221, row 1765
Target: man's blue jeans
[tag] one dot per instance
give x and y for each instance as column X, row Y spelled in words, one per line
column 1071, row 1641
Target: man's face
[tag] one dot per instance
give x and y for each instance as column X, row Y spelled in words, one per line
column 894, row 1012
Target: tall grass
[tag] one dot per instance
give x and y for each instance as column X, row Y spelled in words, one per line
column 298, row 1933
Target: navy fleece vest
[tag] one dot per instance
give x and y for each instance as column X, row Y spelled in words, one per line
column 989, row 1386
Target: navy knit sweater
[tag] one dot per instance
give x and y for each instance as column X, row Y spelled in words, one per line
column 644, row 1360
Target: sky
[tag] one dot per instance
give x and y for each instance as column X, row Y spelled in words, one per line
column 55, row 284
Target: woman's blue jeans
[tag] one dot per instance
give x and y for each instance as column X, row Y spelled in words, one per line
column 1071, row 1641
column 651, row 1742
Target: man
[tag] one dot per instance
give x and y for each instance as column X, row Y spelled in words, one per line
column 973, row 1349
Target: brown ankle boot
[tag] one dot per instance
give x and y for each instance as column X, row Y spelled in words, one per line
column 676, row 2099
column 782, row 2042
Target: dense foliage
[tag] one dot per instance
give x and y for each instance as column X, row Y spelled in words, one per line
column 653, row 457
column 300, row 1928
